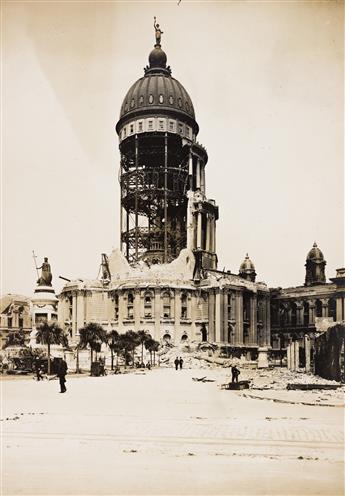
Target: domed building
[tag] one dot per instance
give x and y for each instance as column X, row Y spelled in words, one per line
column 164, row 278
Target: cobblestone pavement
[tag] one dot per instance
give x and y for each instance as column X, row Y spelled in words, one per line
column 163, row 417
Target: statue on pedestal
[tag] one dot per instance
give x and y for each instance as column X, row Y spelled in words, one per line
column 46, row 275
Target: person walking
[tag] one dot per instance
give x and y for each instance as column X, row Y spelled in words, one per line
column 37, row 367
column 176, row 362
column 235, row 373
column 61, row 373
column 181, row 363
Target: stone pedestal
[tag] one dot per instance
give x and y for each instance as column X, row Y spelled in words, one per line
column 44, row 305
column 263, row 358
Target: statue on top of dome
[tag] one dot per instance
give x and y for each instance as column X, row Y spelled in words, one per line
column 158, row 32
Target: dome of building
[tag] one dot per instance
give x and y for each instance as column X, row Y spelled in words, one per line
column 157, row 92
column 247, row 269
column 247, row 264
column 315, row 253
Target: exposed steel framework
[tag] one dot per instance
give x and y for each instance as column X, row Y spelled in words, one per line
column 154, row 181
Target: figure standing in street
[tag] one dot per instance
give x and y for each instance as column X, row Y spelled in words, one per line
column 176, row 362
column 37, row 367
column 61, row 373
column 235, row 373
column 181, row 363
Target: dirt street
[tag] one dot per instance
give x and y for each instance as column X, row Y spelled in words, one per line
column 163, row 433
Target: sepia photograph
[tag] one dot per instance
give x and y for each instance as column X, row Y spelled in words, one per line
column 172, row 289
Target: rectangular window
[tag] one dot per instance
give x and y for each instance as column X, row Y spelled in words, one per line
column 140, row 127
column 171, row 126
column 21, row 322
column 131, row 128
column 9, row 321
column 180, row 128
column 161, row 125
column 124, row 133
column 188, row 131
column 150, row 125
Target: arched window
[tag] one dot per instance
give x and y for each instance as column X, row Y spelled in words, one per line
column 184, row 337
column 166, row 338
column 166, row 304
column 318, row 308
column 130, row 306
column 184, row 306
column 148, row 304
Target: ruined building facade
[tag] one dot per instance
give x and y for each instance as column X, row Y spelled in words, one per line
column 164, row 278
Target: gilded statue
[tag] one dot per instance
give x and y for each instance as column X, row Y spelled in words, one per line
column 158, row 32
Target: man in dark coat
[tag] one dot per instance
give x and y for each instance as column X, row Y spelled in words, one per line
column 61, row 373
column 176, row 362
column 235, row 373
column 181, row 363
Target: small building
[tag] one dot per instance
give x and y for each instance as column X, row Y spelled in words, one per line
column 15, row 315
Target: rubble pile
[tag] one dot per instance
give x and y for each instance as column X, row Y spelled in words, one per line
column 276, row 379
column 199, row 359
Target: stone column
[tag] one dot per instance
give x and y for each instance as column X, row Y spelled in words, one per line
column 211, row 316
column 199, row 231
column 224, row 336
column 208, row 233
column 213, row 235
column 299, row 316
column 307, row 353
column 122, row 309
column 217, row 316
column 172, row 304
column 74, row 315
column 203, row 178
column 157, row 314
column 292, row 356
column 296, row 346
column 311, row 312
column 324, row 302
column 198, row 182
column 136, row 309
column 339, row 308
column 190, row 171
column 288, row 356
column 239, row 319
column 253, row 320
column 177, row 308
column 80, row 310
column 268, row 323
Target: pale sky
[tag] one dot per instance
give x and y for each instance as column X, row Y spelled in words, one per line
column 266, row 80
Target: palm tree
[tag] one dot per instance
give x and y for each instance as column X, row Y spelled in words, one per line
column 15, row 338
column 132, row 341
column 155, row 347
column 51, row 333
column 112, row 337
column 143, row 336
column 92, row 335
column 148, row 346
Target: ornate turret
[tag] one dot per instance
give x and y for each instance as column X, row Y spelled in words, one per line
column 247, row 269
column 315, row 267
